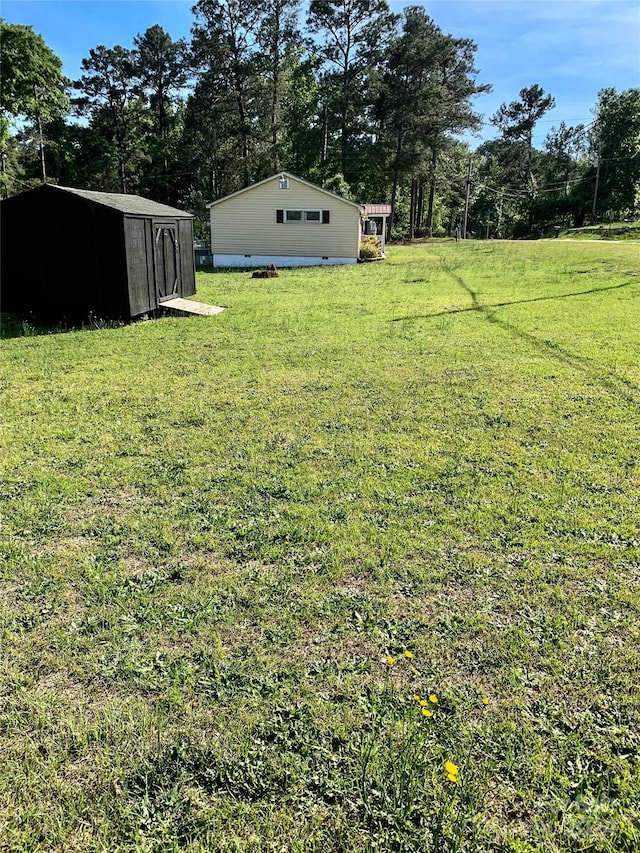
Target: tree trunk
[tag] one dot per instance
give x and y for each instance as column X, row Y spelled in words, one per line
column 412, row 209
column 122, row 158
column 43, row 165
column 325, row 132
column 246, row 179
column 500, row 207
column 162, row 121
column 122, row 174
column 530, row 179
column 396, row 180
column 214, row 164
column 275, row 96
column 344, row 143
column 344, row 117
column 432, row 193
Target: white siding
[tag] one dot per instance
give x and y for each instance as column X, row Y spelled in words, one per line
column 245, row 224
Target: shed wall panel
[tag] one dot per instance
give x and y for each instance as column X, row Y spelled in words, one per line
column 106, row 247
column 245, row 224
column 139, row 261
column 187, row 257
column 21, row 268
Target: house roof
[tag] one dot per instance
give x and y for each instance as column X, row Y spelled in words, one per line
column 377, row 209
column 292, row 177
column 132, row 204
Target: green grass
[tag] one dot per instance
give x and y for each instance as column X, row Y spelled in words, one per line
column 613, row 231
column 216, row 530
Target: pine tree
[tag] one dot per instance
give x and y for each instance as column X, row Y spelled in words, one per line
column 161, row 66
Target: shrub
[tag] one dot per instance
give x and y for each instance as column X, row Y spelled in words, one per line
column 370, row 248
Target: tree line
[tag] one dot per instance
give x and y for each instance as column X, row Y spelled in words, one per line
column 364, row 102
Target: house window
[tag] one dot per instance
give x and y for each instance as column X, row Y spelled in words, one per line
column 303, row 216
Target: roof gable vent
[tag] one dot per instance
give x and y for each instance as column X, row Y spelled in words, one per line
column 284, row 183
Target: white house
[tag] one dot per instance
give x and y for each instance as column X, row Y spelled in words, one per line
column 286, row 221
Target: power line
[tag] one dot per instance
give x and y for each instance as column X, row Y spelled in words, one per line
column 515, row 194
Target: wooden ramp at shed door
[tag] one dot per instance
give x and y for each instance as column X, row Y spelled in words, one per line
column 188, row 306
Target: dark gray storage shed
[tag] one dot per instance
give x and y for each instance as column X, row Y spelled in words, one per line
column 68, row 254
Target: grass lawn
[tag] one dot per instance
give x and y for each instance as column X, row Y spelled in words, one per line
column 350, row 567
column 607, row 231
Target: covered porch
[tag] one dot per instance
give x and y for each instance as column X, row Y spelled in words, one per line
column 374, row 221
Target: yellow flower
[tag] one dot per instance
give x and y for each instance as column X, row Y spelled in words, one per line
column 416, row 697
column 391, row 660
column 414, row 670
column 433, row 698
column 427, row 713
column 452, row 777
column 160, row 697
column 451, row 768
column 423, row 702
column 485, row 701
column 408, row 654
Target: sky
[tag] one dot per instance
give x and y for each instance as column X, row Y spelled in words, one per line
column 572, row 48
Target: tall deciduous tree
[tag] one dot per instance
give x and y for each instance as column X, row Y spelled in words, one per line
column 32, row 85
column 497, row 193
column 566, row 145
column 563, row 167
column 302, row 126
column 616, row 141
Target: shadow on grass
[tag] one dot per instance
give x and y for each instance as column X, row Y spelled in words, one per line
column 611, row 381
column 476, row 306
column 12, row 326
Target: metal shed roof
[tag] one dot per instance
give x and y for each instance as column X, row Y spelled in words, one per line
column 131, row 204
column 377, row 209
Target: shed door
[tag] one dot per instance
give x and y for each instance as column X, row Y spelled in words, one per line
column 167, row 264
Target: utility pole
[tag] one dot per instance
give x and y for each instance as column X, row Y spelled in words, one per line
column 595, row 191
column 466, row 203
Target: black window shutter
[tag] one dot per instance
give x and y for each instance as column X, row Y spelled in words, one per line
column 279, row 215
column 325, row 217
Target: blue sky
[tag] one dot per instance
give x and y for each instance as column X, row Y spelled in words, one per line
column 572, row 48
